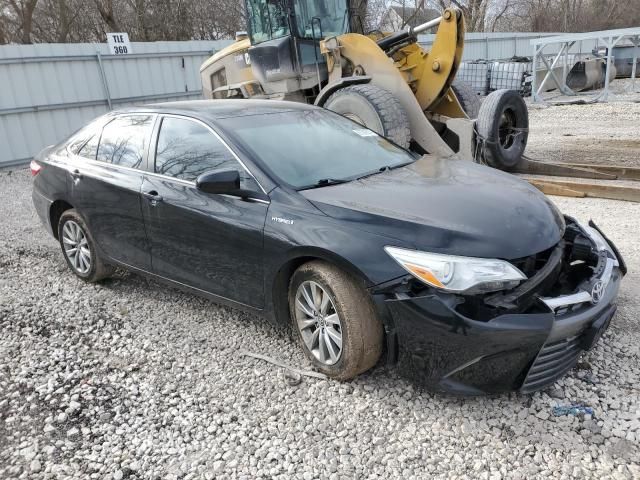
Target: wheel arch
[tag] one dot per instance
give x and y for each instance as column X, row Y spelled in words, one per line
column 279, row 286
column 57, row 208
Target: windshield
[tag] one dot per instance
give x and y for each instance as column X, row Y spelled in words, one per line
column 326, row 17
column 315, row 147
column 267, row 20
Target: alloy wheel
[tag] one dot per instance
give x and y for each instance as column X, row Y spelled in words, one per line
column 76, row 247
column 318, row 322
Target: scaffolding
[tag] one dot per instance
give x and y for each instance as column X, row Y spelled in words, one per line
column 609, row 39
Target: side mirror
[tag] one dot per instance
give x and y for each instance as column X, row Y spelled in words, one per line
column 225, row 181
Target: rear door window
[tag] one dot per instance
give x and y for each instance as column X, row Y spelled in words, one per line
column 124, row 140
column 187, row 149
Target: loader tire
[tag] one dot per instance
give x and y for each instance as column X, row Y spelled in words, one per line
column 375, row 108
column 467, row 97
column 503, row 128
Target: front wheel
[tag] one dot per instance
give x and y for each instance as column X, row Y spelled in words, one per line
column 335, row 319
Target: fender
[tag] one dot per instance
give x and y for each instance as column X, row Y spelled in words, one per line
column 276, row 309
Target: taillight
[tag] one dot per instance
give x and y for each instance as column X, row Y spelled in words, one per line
column 35, row 168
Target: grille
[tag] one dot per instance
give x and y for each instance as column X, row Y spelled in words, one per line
column 554, row 360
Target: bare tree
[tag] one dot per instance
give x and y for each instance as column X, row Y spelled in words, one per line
column 474, row 11
column 571, row 15
column 26, row 21
column 105, row 8
column 22, row 17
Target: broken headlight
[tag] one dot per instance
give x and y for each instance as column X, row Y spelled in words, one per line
column 451, row 273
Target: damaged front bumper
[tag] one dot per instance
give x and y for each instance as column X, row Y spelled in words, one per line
column 526, row 344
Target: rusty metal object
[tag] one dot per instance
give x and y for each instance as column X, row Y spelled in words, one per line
column 589, row 74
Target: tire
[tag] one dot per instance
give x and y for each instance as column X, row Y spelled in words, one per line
column 375, row 108
column 503, row 127
column 72, row 228
column 360, row 329
column 467, row 97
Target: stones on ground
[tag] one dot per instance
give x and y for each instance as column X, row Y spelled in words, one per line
column 87, row 391
column 35, row 466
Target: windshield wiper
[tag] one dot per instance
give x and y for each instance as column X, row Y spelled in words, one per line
column 386, row 168
column 326, row 182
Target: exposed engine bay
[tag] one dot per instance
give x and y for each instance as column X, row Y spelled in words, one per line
column 561, row 279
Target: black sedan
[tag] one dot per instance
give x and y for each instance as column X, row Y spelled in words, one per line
column 467, row 278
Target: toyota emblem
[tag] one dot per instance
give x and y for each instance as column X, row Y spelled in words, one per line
column 597, row 291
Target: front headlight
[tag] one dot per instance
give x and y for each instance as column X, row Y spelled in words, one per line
column 458, row 274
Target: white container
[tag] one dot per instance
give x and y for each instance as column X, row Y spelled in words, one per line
column 475, row 74
column 509, row 75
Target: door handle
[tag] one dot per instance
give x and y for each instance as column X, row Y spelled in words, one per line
column 153, row 197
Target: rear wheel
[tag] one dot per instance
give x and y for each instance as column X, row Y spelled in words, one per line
column 503, row 127
column 335, row 319
column 375, row 108
column 467, row 97
column 79, row 249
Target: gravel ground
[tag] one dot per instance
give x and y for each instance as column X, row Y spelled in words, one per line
column 131, row 379
column 606, row 133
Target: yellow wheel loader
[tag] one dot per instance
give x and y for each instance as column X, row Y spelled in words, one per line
column 314, row 51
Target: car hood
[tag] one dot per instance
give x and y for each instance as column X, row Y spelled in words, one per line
column 447, row 206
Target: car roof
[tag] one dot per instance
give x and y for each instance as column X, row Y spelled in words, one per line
column 219, row 109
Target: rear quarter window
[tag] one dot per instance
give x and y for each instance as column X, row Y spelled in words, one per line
column 90, row 148
column 85, row 141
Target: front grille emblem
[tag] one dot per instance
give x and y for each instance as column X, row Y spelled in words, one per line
column 597, row 291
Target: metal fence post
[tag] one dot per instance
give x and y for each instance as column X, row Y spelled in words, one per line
column 636, row 43
column 610, row 43
column 105, row 84
column 565, row 66
column 534, row 79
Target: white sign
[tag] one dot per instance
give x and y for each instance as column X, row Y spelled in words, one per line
column 119, row 43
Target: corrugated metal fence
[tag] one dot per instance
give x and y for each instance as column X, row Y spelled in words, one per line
column 47, row 91
column 504, row 45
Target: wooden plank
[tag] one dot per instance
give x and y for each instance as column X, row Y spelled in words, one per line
column 596, row 190
column 551, row 189
column 535, row 167
column 622, row 172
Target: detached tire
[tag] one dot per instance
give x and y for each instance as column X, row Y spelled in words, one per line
column 79, row 248
column 335, row 319
column 375, row 108
column 503, row 126
column 467, row 97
